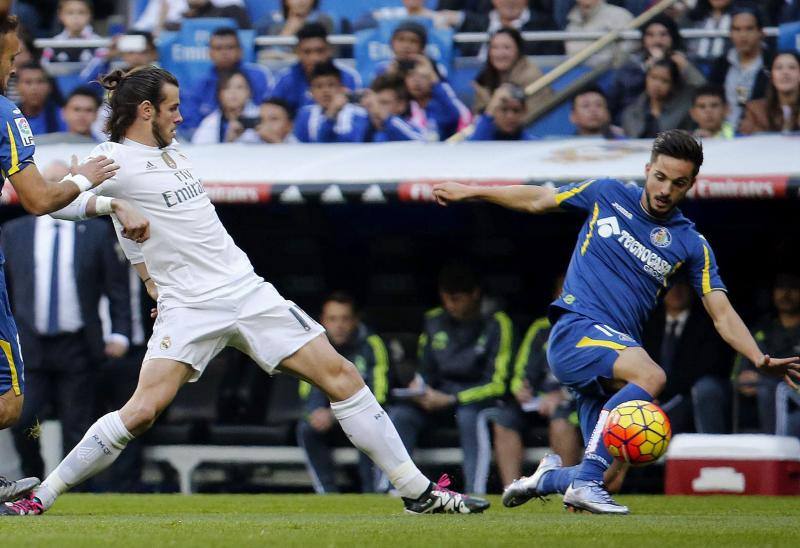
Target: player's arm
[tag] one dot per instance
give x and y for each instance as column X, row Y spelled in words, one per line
column 733, row 330
column 152, row 289
column 40, row 197
column 135, row 225
column 527, row 198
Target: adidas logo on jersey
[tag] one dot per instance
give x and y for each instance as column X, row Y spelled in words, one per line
column 150, row 165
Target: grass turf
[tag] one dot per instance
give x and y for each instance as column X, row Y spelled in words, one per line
column 372, row 520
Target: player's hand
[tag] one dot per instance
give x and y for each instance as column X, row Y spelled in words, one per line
column 424, row 68
column 788, row 368
column 445, row 193
column 524, row 394
column 97, row 169
column 321, row 419
column 115, row 349
column 135, row 225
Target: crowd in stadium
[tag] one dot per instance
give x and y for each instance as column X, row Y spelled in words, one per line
column 487, row 374
column 717, row 87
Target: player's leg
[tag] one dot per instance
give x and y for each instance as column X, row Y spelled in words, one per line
column 369, row 428
column 38, row 394
column 159, row 381
column 10, row 408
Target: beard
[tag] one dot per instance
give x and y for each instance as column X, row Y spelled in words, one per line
column 161, row 141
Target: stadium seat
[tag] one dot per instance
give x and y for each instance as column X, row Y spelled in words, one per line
column 789, row 37
column 372, row 47
column 261, row 8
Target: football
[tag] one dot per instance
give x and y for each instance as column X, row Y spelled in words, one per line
column 637, row 432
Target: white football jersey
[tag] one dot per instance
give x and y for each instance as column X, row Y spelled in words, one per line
column 190, row 255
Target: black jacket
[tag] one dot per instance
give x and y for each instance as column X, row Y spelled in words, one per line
column 99, row 270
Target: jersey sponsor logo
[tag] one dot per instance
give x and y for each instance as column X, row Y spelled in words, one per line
column 627, row 214
column 652, row 262
column 192, row 188
column 660, row 237
column 607, row 227
column 24, row 131
column 169, row 160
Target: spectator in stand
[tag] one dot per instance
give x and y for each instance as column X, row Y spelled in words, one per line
column 504, row 118
column 312, row 48
column 409, row 8
column 389, row 110
column 76, row 17
column 79, row 114
column 408, row 41
column 275, row 125
column 159, row 15
column 28, row 53
column 506, row 63
column 590, row 115
column 294, row 14
column 206, row 8
column 226, row 55
column 697, row 362
column 711, row 15
column 742, row 72
column 434, row 104
column 788, row 11
column 505, row 13
column 331, row 118
column 237, row 116
column 464, row 359
column 353, row 340
column 779, row 333
column 597, row 15
column 536, row 395
column 37, row 100
column 660, row 39
column 709, row 111
column 130, row 50
column 779, row 111
column 664, row 104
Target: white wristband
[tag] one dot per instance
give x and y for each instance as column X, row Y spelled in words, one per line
column 80, row 181
column 102, row 205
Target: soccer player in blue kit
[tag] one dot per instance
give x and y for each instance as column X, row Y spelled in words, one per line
column 632, row 243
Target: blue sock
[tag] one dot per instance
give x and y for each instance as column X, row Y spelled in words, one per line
column 557, row 481
column 597, row 459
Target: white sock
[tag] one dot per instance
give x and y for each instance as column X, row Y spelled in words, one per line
column 370, row 429
column 98, row 449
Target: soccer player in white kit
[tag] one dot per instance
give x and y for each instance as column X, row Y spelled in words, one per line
column 208, row 298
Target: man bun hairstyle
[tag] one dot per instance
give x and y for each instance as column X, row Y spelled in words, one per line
column 129, row 89
column 680, row 144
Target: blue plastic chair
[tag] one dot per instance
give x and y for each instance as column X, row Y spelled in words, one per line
column 789, row 37
column 185, row 52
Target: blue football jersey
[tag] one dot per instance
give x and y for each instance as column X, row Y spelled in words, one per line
column 624, row 257
column 16, row 140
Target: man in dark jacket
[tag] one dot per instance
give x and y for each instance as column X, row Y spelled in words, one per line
column 697, row 363
column 353, row 340
column 464, row 364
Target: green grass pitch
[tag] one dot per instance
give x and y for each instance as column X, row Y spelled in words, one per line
column 151, row 521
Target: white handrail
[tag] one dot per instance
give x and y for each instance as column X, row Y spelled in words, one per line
column 459, row 38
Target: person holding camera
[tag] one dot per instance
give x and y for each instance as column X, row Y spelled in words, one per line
column 235, row 119
column 387, row 104
column 332, row 118
column 504, row 118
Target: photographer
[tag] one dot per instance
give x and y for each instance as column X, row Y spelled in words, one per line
column 235, row 119
column 331, row 118
column 504, row 117
column 389, row 113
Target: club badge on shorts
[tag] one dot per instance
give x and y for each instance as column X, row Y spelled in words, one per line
column 168, row 160
column 166, row 342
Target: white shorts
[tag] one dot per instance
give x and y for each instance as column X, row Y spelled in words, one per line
column 254, row 319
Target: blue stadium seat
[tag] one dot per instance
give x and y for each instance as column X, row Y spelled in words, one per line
column 556, row 122
column 351, row 10
column 372, row 47
column 138, row 8
column 789, row 37
column 185, row 52
column 260, row 8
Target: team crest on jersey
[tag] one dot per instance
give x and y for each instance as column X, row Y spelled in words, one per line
column 660, row 237
column 166, row 342
column 169, row 161
column 24, row 131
